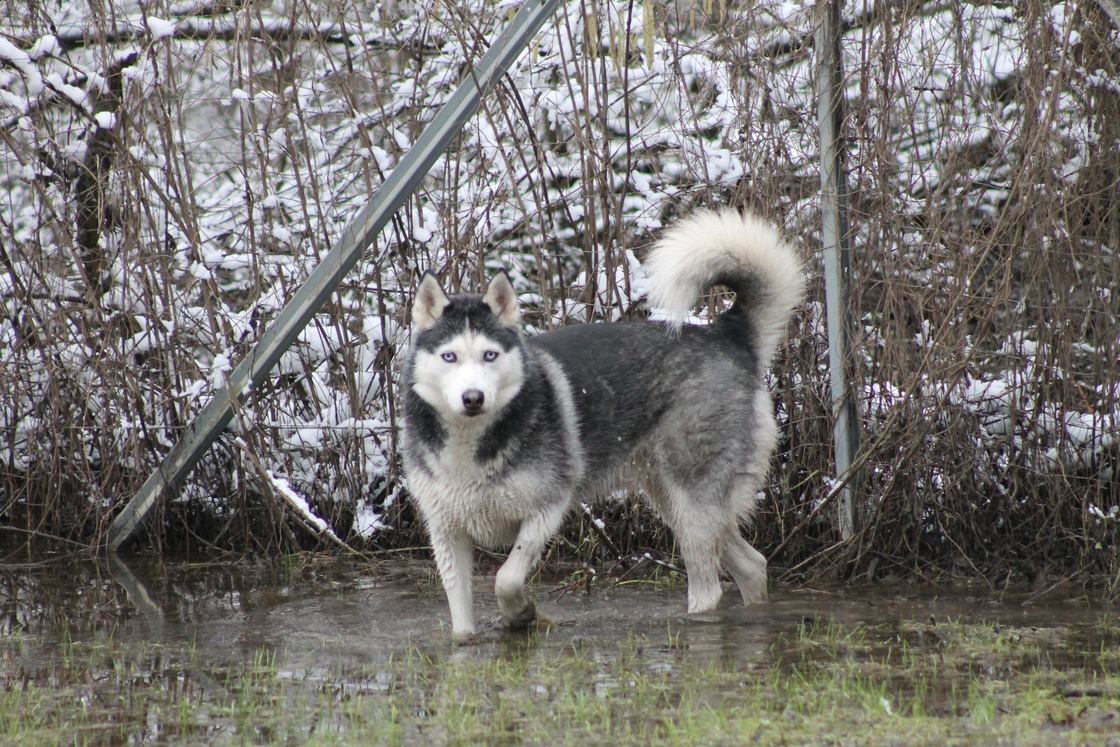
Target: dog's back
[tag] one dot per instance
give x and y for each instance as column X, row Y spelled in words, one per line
column 628, row 380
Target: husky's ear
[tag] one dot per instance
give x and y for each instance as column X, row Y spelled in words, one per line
column 503, row 301
column 429, row 304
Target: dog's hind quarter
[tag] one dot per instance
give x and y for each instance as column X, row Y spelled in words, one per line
column 627, row 377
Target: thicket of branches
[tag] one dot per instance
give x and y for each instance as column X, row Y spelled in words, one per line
column 171, row 172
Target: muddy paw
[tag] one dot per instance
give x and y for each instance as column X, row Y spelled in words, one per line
column 521, row 619
column 541, row 625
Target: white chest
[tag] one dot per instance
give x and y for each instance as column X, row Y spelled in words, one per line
column 487, row 500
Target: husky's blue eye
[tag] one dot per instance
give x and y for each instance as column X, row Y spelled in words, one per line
column 490, row 356
column 448, row 357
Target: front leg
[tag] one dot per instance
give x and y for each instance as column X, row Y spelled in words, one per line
column 517, row 611
column 455, row 560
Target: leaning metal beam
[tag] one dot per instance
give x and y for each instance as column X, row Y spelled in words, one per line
column 1112, row 8
column 830, row 92
column 355, row 238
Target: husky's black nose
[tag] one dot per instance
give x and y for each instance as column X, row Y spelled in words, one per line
column 472, row 401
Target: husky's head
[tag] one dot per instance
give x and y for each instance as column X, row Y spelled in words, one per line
column 466, row 350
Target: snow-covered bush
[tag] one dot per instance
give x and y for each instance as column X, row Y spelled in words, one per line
column 172, row 171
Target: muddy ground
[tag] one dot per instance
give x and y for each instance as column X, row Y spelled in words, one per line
column 137, row 650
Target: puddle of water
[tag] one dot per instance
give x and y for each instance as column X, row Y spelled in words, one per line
column 212, row 652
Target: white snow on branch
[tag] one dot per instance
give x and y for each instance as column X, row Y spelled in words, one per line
column 161, row 28
column 22, row 61
column 303, row 511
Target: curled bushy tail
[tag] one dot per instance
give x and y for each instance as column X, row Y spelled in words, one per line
column 743, row 252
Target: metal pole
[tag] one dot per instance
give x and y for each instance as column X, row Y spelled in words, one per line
column 837, row 262
column 356, row 237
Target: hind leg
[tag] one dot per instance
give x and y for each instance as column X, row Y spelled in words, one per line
column 699, row 535
column 701, row 553
column 747, row 566
column 705, row 472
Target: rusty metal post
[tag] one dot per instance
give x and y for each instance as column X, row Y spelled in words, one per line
column 837, row 256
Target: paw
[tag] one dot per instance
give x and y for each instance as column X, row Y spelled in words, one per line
column 466, row 635
column 756, row 596
column 522, row 618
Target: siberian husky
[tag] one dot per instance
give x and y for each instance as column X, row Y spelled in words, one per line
column 504, row 433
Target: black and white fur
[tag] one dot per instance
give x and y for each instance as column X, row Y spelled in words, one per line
column 504, row 433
